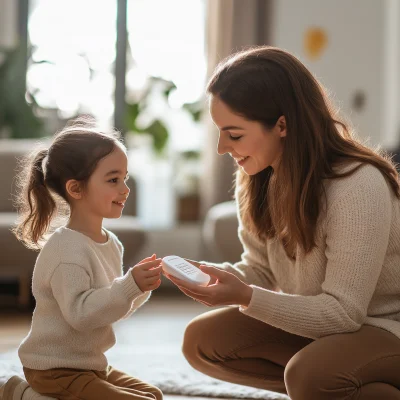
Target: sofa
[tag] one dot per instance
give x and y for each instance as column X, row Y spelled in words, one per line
column 220, row 234
column 16, row 261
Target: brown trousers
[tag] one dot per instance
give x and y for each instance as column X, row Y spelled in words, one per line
column 74, row 384
column 233, row 347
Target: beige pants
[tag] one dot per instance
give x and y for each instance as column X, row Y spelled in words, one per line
column 228, row 345
column 74, row 384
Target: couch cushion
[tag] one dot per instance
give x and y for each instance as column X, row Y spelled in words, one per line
column 15, row 257
column 11, row 151
column 220, row 233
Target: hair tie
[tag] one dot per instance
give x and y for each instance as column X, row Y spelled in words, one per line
column 44, row 165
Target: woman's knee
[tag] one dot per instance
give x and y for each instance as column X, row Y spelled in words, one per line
column 297, row 379
column 200, row 339
column 308, row 375
column 193, row 337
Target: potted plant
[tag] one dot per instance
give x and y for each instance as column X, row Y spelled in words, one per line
column 156, row 129
column 18, row 107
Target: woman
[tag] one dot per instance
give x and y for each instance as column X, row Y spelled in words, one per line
column 318, row 286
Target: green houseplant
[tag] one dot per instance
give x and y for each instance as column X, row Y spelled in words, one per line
column 17, row 106
column 157, row 129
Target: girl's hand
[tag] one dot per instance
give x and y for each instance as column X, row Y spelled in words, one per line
column 147, row 273
column 228, row 289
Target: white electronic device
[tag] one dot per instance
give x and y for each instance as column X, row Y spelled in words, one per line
column 182, row 269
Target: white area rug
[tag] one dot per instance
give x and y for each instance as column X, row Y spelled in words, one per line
column 164, row 368
column 149, row 347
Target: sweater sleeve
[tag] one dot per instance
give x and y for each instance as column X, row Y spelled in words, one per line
column 357, row 236
column 137, row 303
column 87, row 308
column 254, row 266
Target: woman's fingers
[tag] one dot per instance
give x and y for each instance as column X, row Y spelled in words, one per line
column 195, row 263
column 196, row 295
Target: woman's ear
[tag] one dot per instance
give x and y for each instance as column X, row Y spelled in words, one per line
column 74, row 189
column 281, row 125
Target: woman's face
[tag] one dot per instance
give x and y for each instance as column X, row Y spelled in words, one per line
column 249, row 143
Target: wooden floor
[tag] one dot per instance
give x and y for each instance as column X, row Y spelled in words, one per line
column 164, row 308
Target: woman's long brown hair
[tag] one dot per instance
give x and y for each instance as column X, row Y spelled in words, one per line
column 262, row 84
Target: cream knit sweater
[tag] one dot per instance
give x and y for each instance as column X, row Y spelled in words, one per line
column 80, row 290
column 351, row 277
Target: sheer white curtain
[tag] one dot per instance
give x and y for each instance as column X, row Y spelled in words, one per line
column 231, row 25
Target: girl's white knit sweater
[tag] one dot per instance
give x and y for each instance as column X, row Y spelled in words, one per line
column 350, row 278
column 80, row 291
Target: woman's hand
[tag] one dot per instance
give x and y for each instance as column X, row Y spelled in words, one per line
column 213, row 279
column 228, row 289
column 147, row 273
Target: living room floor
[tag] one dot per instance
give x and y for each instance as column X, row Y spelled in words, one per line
column 167, row 312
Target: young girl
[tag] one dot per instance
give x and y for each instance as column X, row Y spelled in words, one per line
column 319, row 219
column 78, row 281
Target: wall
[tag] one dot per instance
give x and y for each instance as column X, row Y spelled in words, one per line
column 362, row 55
column 8, row 23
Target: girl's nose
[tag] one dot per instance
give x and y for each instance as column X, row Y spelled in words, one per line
column 125, row 189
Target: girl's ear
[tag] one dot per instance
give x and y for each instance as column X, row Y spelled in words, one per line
column 74, row 189
column 281, row 124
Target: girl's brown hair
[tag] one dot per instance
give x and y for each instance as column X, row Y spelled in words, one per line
column 261, row 84
column 73, row 154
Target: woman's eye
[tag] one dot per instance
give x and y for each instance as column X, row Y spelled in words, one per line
column 234, row 137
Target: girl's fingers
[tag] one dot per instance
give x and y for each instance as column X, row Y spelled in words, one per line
column 152, row 272
column 149, row 264
column 150, row 281
column 153, row 257
column 154, row 285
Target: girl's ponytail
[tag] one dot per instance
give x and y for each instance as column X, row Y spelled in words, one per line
column 35, row 202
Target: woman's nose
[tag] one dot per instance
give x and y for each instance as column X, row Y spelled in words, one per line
column 222, row 148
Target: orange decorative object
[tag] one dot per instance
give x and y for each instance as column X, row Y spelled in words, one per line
column 315, row 42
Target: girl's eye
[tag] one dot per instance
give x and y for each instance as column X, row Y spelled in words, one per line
column 234, row 137
column 113, row 180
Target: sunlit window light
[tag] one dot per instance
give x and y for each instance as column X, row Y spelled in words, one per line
column 79, row 45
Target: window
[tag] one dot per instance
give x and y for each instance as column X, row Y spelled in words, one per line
column 76, row 39
column 166, row 39
column 74, row 49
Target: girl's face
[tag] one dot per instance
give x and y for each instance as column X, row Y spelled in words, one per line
column 249, row 143
column 106, row 190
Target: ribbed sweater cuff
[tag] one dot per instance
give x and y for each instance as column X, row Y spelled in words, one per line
column 129, row 286
column 264, row 305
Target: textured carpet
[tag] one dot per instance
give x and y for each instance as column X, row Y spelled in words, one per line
column 149, row 347
column 164, row 368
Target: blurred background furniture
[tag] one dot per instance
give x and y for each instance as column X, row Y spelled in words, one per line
column 16, row 261
column 220, row 233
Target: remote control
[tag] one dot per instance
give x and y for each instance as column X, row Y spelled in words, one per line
column 181, row 269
